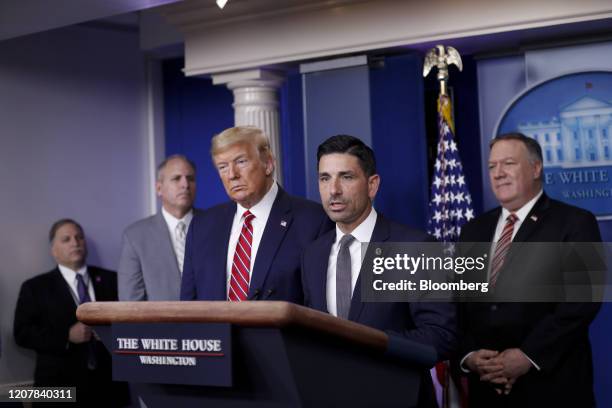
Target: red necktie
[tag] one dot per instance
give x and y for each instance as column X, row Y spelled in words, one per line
column 501, row 248
column 241, row 265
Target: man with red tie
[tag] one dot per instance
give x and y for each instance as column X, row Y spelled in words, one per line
column 250, row 247
column 537, row 353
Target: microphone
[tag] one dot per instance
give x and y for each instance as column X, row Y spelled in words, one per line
column 255, row 295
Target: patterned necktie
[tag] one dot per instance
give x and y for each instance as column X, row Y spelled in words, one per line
column 501, row 248
column 92, row 361
column 180, row 233
column 343, row 277
column 241, row 265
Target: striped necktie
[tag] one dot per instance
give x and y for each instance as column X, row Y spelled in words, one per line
column 501, row 248
column 241, row 265
column 180, row 235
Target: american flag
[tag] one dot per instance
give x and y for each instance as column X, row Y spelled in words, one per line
column 451, row 204
column 450, row 207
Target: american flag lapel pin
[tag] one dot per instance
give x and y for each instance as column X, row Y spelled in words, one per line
column 283, row 223
column 534, row 218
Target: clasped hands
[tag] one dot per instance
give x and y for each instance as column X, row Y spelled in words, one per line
column 81, row 333
column 499, row 368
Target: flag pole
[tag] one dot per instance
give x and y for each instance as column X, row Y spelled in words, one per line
column 450, row 203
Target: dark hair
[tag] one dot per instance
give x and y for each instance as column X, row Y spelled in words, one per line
column 533, row 147
column 59, row 224
column 168, row 159
column 349, row 145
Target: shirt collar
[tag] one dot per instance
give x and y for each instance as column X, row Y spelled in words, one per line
column 363, row 232
column 70, row 275
column 522, row 212
column 264, row 206
column 172, row 221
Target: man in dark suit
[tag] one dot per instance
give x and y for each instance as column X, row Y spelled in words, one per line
column 67, row 351
column 530, row 354
column 153, row 251
column 250, row 247
column 348, row 184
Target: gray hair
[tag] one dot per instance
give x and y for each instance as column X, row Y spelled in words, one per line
column 168, row 159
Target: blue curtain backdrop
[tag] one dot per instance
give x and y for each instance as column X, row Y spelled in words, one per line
column 195, row 110
column 399, row 138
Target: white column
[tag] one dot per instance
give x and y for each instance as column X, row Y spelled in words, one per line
column 256, row 104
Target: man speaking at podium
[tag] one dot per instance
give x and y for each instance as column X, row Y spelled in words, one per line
column 250, row 247
column 348, row 184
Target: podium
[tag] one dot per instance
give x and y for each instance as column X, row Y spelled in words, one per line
column 274, row 354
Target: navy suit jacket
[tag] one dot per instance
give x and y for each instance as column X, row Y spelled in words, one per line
column 293, row 223
column 428, row 323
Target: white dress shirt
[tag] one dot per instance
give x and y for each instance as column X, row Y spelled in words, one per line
column 362, row 234
column 172, row 222
column 261, row 211
column 70, row 278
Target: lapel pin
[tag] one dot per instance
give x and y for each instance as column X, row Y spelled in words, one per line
column 283, row 223
column 98, row 279
column 534, row 218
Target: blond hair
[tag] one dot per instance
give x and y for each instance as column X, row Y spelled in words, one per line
column 242, row 134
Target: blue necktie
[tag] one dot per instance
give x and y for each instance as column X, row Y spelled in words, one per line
column 82, row 289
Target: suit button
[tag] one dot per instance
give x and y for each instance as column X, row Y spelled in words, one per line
column 493, row 308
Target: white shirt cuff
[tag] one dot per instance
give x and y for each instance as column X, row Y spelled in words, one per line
column 463, row 367
column 530, row 360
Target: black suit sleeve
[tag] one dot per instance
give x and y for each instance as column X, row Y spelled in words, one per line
column 436, row 325
column 560, row 331
column 32, row 326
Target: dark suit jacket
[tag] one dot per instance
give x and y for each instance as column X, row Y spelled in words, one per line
column 293, row 223
column 427, row 322
column 554, row 335
column 45, row 312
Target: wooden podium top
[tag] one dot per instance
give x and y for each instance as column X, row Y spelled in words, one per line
column 250, row 314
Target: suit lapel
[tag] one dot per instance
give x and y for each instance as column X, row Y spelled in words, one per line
column 162, row 235
column 533, row 219
column 276, row 228
column 220, row 249
column 66, row 299
column 528, row 227
column 486, row 234
column 380, row 234
column 99, row 285
column 319, row 271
